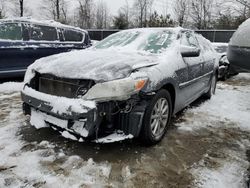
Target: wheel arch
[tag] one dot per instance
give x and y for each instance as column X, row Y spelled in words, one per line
column 171, row 89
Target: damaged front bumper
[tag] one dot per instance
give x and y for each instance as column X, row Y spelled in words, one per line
column 81, row 118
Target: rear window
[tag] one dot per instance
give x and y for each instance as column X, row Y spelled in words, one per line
column 43, row 33
column 10, row 31
column 72, row 36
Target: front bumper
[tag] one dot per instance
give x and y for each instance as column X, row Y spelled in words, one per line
column 76, row 116
column 68, row 110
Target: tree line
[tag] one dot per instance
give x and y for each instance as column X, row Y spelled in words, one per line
column 91, row 14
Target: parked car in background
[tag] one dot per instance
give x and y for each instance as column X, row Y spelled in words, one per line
column 224, row 65
column 23, row 40
column 239, row 49
column 127, row 85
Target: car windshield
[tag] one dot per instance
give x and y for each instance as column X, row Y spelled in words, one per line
column 153, row 41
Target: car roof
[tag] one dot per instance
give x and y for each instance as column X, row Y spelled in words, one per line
column 174, row 29
column 51, row 23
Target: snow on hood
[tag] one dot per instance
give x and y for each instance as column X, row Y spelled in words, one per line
column 98, row 65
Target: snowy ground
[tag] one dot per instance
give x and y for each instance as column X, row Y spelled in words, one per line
column 208, row 146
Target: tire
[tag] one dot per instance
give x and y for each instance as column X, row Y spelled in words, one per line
column 212, row 87
column 156, row 118
column 226, row 74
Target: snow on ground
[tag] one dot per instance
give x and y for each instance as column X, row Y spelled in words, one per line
column 115, row 137
column 221, row 121
column 9, row 87
column 229, row 175
column 21, row 167
column 231, row 105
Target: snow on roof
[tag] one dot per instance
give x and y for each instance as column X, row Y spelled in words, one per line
column 52, row 23
column 220, row 44
column 174, row 29
column 241, row 36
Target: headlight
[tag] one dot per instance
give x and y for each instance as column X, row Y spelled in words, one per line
column 29, row 74
column 115, row 90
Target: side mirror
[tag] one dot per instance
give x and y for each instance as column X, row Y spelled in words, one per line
column 188, row 51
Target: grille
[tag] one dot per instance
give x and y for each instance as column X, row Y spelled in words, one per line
column 70, row 88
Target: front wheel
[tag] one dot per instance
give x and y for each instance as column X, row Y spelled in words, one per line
column 212, row 88
column 226, row 74
column 157, row 118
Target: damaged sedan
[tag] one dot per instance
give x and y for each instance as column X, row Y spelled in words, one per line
column 126, row 86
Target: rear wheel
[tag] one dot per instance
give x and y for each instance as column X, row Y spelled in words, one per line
column 212, row 88
column 157, row 118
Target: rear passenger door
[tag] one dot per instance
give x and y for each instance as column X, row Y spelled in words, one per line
column 39, row 41
column 195, row 66
column 44, row 41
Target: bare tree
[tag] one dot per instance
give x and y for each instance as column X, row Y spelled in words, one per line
column 57, row 10
column 181, row 10
column 86, row 13
column 201, row 13
column 17, row 7
column 2, row 9
column 143, row 7
column 244, row 2
column 102, row 15
column 244, row 9
column 126, row 12
column 21, row 7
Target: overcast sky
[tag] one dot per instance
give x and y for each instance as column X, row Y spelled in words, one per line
column 159, row 5
column 34, row 6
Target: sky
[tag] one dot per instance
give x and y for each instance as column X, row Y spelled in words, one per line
column 113, row 5
column 159, row 5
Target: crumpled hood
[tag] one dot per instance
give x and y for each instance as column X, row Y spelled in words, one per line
column 98, row 65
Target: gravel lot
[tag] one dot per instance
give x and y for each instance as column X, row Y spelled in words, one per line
column 208, row 145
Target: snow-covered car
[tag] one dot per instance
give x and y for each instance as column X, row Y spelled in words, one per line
column 128, row 85
column 224, row 65
column 24, row 40
column 94, row 42
column 238, row 52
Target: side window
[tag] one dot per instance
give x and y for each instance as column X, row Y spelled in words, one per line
column 188, row 39
column 205, row 45
column 11, row 31
column 192, row 40
column 43, row 33
column 184, row 40
column 73, row 36
column 26, row 29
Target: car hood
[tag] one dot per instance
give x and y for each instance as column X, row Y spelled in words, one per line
column 98, row 65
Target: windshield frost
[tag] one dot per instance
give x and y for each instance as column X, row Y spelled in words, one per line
column 153, row 41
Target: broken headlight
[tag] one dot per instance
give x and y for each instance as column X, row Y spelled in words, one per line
column 116, row 90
